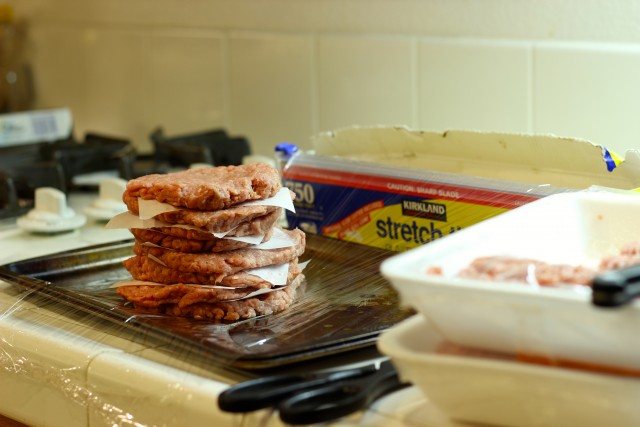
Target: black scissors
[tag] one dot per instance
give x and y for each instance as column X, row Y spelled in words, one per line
column 314, row 397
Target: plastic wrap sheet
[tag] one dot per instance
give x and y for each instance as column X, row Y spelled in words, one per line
column 342, row 306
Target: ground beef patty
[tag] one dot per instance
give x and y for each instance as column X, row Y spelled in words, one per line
column 205, row 188
column 226, row 262
column 265, row 304
column 152, row 296
column 217, row 221
column 145, row 269
column 190, row 245
column 260, row 225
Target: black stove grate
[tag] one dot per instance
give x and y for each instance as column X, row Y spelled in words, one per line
column 23, row 168
column 214, row 147
column 26, row 167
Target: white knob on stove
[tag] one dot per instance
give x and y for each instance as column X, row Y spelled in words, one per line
column 50, row 213
column 109, row 202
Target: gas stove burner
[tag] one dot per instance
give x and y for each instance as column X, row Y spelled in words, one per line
column 97, row 153
column 19, row 182
column 27, row 167
column 23, row 168
column 214, row 147
column 70, row 165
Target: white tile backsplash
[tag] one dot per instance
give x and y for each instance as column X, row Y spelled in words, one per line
column 107, row 66
column 181, row 82
column 59, row 60
column 365, row 81
column 589, row 91
column 273, row 81
column 127, row 82
column 270, row 89
column 474, row 86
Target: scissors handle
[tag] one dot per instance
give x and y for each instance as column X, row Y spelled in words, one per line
column 339, row 399
column 266, row 392
column 616, row 288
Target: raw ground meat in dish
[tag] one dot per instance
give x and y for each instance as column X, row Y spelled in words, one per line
column 145, row 269
column 505, row 268
column 190, row 245
column 614, row 262
column 266, row 304
column 226, row 262
column 631, row 248
column 509, row 269
column 185, row 294
column 260, row 225
column 205, row 189
column 629, row 255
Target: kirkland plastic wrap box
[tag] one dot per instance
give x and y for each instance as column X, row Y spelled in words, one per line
column 396, row 188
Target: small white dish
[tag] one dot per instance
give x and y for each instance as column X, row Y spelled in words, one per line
column 504, row 392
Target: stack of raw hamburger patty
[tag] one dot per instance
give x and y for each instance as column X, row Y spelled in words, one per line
column 215, row 250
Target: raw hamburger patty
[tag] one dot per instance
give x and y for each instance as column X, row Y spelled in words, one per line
column 217, row 221
column 226, row 262
column 143, row 268
column 189, row 245
column 184, row 294
column 205, row 188
column 260, row 225
column 265, row 304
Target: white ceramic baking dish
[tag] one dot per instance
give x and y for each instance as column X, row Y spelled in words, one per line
column 503, row 392
column 556, row 324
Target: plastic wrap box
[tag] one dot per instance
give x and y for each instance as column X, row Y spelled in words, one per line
column 396, row 189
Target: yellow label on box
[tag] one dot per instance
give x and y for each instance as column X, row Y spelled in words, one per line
column 388, row 212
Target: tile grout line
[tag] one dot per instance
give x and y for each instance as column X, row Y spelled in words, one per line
column 531, row 89
column 416, row 105
column 226, row 81
column 315, row 95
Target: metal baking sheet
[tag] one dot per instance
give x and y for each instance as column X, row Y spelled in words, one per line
column 343, row 305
